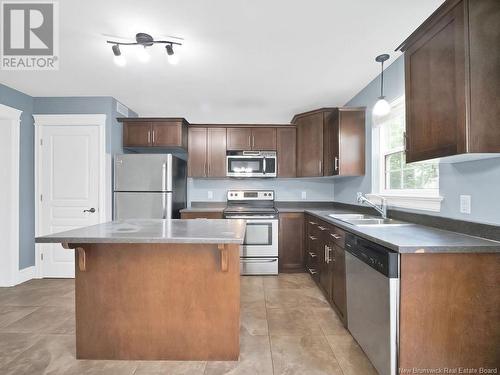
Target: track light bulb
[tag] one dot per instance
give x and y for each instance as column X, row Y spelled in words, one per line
column 143, row 55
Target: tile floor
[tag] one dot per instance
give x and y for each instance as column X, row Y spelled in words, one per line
column 287, row 327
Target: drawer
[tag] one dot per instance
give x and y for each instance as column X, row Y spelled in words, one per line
column 259, row 266
column 338, row 236
column 311, row 258
column 313, row 271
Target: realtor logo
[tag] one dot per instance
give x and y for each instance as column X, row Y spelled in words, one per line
column 30, row 35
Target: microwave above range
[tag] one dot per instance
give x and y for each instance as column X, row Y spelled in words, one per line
column 251, row 164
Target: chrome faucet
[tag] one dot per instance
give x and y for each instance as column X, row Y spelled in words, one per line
column 382, row 209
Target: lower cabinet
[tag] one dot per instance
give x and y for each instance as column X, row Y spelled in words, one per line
column 291, row 242
column 201, row 215
column 325, row 261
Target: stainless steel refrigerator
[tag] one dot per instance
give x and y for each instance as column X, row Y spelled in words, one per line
column 150, row 186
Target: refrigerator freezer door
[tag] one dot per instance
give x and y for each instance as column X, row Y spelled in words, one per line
column 142, row 206
column 143, row 172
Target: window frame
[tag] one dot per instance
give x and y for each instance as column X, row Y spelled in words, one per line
column 422, row 199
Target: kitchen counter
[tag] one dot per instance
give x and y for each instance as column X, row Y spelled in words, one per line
column 154, row 231
column 156, row 289
column 413, row 238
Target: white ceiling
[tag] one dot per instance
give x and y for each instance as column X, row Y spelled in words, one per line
column 243, row 61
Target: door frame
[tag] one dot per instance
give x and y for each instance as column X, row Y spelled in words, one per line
column 9, row 267
column 105, row 198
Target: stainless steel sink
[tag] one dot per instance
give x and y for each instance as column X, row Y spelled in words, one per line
column 361, row 220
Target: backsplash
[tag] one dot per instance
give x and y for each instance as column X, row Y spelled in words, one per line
column 316, row 189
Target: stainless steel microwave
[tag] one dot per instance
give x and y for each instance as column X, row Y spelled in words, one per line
column 251, row 164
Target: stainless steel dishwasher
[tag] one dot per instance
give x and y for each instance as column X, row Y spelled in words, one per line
column 372, row 283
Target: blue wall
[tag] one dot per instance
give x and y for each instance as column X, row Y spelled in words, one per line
column 23, row 102
column 51, row 105
column 480, row 179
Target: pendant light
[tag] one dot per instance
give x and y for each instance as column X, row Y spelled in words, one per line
column 381, row 107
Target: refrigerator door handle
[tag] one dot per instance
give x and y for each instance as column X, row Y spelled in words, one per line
column 167, row 205
column 164, row 177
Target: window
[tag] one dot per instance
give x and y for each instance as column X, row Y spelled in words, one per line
column 397, row 178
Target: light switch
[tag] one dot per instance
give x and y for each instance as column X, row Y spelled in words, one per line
column 465, row 204
column 303, row 195
column 210, row 194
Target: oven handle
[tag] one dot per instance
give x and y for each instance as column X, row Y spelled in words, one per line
column 252, row 218
column 258, row 260
column 264, row 166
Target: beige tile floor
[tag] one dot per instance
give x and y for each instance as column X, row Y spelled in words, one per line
column 287, row 327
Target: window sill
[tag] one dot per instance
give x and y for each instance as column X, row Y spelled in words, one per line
column 422, row 202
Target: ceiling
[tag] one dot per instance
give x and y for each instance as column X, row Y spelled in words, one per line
column 243, row 61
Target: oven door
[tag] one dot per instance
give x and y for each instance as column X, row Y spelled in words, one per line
column 261, row 235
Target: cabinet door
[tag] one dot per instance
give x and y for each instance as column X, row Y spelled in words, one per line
column 137, row 134
column 197, row 152
column 239, row 139
column 435, row 90
column 167, row 134
column 216, row 152
column 325, row 272
column 264, row 139
column 339, row 284
column 349, row 159
column 291, row 240
column 286, row 148
column 310, row 145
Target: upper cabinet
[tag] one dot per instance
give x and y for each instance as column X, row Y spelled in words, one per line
column 246, row 138
column 207, row 152
column 155, row 132
column 452, row 81
column 330, row 142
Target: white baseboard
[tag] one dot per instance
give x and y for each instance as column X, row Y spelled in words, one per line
column 26, row 274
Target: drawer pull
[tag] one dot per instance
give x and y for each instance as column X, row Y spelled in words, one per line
column 312, row 238
column 313, row 223
column 321, row 228
column 312, row 272
column 336, row 236
column 312, row 255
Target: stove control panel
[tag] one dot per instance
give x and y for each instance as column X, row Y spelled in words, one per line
column 248, row 195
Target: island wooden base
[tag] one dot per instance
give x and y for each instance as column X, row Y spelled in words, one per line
column 157, row 301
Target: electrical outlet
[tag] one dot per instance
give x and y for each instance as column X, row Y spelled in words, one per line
column 465, row 204
column 210, row 194
column 303, row 195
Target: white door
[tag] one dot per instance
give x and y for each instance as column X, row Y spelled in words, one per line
column 69, row 182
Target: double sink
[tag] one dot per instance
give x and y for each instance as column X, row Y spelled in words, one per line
column 361, row 220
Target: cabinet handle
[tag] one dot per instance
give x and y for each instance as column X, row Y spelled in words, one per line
column 336, row 163
column 312, row 238
column 205, row 169
column 154, row 136
column 250, row 141
column 320, row 169
column 253, row 141
column 149, row 136
column 312, row 255
column 336, row 236
column 312, row 271
column 313, row 223
column 321, row 228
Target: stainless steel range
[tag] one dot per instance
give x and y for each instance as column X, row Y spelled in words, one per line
column 259, row 253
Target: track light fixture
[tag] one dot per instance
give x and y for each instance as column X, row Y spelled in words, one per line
column 144, row 41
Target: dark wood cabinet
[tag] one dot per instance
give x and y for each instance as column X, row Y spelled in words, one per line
column 137, row 134
column 197, row 152
column 286, row 141
column 264, row 139
column 202, row 215
column 291, row 242
column 207, row 152
column 452, row 81
column 155, row 132
column 239, row 139
column 325, row 261
column 331, row 141
column 246, row 138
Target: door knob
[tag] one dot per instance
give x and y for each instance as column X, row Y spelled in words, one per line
column 91, row 210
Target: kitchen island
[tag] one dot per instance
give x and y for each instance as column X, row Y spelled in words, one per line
column 156, row 289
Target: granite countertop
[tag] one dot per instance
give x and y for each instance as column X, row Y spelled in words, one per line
column 201, row 231
column 413, row 238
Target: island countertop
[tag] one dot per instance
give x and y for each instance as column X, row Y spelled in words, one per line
column 204, row 231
